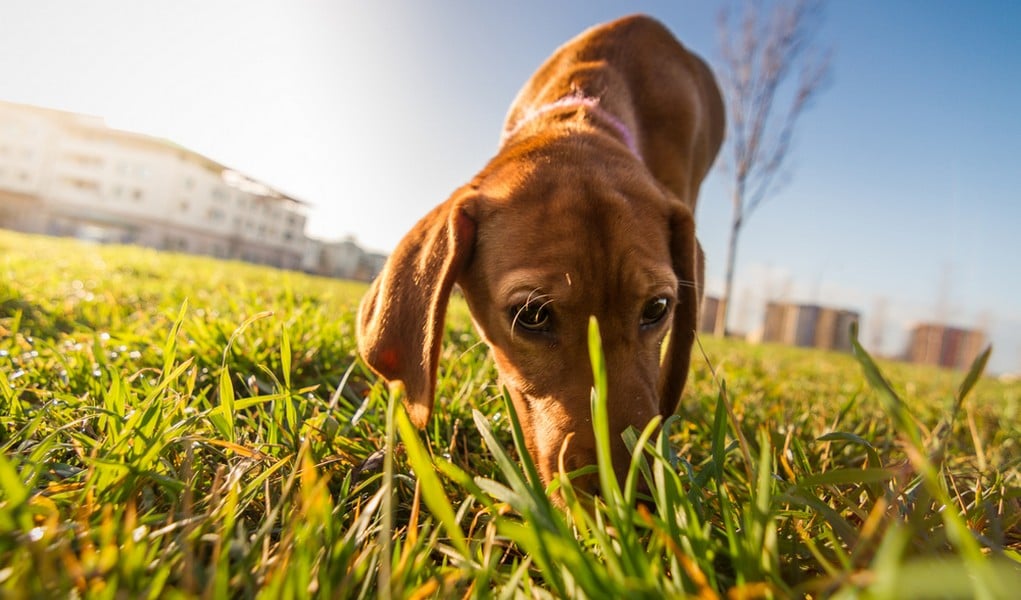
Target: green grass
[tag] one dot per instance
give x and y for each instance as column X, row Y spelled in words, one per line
column 174, row 426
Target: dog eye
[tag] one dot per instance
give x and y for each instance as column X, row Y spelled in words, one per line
column 654, row 311
column 532, row 317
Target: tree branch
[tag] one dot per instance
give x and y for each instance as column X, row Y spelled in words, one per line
column 759, row 53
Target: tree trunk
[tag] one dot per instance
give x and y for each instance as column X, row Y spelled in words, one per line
column 720, row 327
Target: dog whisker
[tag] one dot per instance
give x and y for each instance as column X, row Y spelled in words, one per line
column 470, row 348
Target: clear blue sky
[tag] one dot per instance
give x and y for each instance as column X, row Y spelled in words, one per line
column 905, row 178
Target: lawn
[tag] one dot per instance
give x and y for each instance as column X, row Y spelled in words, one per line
column 175, row 426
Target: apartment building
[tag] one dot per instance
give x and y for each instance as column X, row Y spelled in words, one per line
column 809, row 326
column 945, row 346
column 71, row 175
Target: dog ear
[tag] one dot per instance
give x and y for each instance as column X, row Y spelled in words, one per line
column 689, row 266
column 400, row 320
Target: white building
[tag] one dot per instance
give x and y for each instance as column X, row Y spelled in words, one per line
column 345, row 259
column 71, row 175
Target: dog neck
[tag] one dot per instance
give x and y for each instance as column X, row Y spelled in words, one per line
column 575, row 100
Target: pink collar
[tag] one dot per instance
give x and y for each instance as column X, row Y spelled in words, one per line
column 575, row 100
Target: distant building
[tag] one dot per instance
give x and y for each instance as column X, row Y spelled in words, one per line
column 344, row 259
column 944, row 346
column 711, row 307
column 808, row 325
column 370, row 266
column 71, row 175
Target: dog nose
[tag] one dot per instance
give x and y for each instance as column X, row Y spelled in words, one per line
column 584, row 455
column 587, row 483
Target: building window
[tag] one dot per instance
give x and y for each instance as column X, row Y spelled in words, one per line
column 84, row 185
column 182, row 206
column 174, row 242
column 84, row 160
column 136, row 195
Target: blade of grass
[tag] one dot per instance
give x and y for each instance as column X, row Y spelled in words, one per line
column 855, row 439
column 638, row 465
column 432, row 489
column 285, row 357
column 975, row 371
column 600, row 419
column 527, row 464
column 225, row 420
column 891, row 401
column 956, row 528
column 385, row 535
column 532, row 503
column 170, row 347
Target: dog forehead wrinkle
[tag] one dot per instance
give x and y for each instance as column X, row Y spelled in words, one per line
column 657, row 280
column 525, row 285
column 612, row 274
column 638, row 255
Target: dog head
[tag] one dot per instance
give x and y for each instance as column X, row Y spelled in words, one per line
column 546, row 236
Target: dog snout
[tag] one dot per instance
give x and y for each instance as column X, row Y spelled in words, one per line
column 581, row 456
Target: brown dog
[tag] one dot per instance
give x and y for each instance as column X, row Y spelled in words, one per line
column 587, row 209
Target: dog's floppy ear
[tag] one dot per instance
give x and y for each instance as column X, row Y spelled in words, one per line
column 400, row 320
column 688, row 265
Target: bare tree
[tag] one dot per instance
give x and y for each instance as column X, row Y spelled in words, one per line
column 760, row 51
